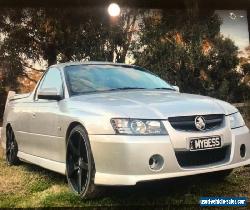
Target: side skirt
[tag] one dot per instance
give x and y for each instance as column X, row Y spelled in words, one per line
column 52, row 165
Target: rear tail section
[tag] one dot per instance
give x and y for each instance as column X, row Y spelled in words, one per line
column 10, row 96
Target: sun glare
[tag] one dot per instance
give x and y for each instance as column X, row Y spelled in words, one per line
column 114, row 9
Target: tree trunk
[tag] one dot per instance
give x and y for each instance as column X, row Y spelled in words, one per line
column 248, row 22
column 51, row 54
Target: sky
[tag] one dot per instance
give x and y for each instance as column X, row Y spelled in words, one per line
column 235, row 26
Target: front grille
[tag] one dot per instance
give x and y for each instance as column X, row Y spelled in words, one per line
column 202, row 157
column 186, row 123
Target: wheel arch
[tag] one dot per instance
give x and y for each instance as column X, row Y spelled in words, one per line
column 8, row 126
column 71, row 126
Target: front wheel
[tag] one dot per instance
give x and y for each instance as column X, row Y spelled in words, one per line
column 80, row 168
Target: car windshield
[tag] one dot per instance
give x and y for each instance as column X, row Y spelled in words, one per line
column 98, row 78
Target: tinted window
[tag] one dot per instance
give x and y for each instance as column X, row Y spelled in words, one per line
column 95, row 78
column 52, row 80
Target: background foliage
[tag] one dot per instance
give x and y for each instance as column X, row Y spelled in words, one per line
column 184, row 47
column 187, row 49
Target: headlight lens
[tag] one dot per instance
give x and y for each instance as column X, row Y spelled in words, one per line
column 236, row 120
column 138, row 127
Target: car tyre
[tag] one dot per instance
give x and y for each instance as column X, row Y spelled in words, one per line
column 11, row 148
column 80, row 167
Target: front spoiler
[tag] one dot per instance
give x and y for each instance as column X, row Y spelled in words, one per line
column 114, row 179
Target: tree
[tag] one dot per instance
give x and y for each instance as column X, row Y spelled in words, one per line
column 52, row 35
column 185, row 48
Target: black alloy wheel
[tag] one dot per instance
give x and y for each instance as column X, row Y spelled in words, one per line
column 11, row 148
column 80, row 169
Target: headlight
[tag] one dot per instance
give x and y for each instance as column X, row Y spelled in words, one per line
column 138, row 127
column 236, row 120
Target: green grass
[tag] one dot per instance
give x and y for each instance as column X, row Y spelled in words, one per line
column 31, row 186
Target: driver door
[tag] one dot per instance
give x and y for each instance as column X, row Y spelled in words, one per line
column 48, row 141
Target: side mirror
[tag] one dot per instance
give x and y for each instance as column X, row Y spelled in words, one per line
column 49, row 94
column 176, row 88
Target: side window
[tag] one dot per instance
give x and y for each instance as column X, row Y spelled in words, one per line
column 52, row 80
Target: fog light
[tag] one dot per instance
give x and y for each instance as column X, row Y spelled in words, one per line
column 156, row 162
column 243, row 150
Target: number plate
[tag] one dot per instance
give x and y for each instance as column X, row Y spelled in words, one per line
column 205, row 143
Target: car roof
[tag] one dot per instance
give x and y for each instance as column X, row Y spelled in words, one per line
column 63, row 65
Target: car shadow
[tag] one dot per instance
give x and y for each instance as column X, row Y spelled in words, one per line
column 59, row 178
column 182, row 187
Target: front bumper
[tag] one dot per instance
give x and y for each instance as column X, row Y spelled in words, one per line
column 124, row 160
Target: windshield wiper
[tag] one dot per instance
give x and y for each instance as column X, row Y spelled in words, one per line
column 164, row 88
column 113, row 89
column 125, row 88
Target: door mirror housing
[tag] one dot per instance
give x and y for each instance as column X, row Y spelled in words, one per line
column 49, row 94
column 176, row 88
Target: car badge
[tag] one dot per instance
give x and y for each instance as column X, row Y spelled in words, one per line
column 200, row 123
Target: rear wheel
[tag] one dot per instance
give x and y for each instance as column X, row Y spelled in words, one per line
column 80, row 168
column 11, row 148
